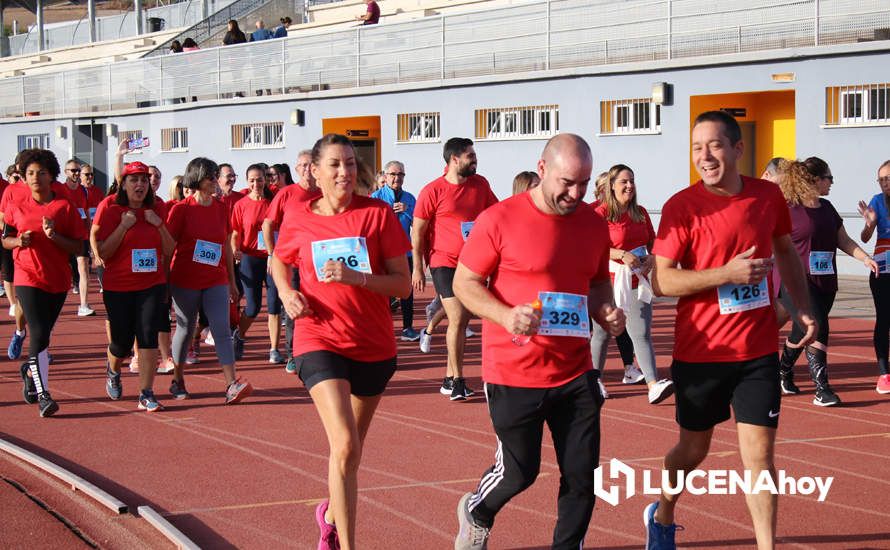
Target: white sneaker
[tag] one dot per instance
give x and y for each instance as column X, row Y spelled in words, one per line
column 85, row 311
column 602, row 388
column 208, row 337
column 660, row 391
column 469, row 333
column 632, row 374
column 425, row 340
column 12, row 310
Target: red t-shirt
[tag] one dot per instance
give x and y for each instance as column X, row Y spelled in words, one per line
column 525, row 251
column 3, row 185
column 189, row 222
column 349, row 320
column 446, row 207
column 126, row 270
column 701, row 230
column 247, row 220
column 232, row 199
column 44, row 264
column 628, row 235
column 289, row 199
column 20, row 191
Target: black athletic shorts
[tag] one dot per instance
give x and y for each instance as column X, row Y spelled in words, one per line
column 706, row 391
column 443, row 277
column 6, row 265
column 366, row 379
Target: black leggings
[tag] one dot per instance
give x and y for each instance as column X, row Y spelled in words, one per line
column 625, row 348
column 253, row 274
column 880, row 293
column 407, row 304
column 135, row 314
column 41, row 310
column 821, row 303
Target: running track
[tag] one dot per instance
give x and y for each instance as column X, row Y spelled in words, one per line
column 249, row 476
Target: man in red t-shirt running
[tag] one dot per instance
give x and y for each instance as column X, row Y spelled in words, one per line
column 546, row 253
column 713, row 251
column 444, row 215
column 80, row 265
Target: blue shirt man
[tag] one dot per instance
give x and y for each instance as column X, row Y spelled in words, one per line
column 402, row 203
column 261, row 32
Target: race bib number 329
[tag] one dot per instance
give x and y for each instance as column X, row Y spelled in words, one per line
column 564, row 314
column 736, row 298
column 352, row 251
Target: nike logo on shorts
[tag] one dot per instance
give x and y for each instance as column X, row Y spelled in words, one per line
column 773, row 414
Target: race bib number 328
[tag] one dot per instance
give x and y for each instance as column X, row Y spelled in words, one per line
column 352, row 251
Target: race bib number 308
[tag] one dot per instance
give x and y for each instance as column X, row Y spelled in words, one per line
column 352, row 251
column 207, row 253
column 564, row 314
column 736, row 298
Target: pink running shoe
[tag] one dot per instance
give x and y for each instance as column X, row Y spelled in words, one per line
column 328, row 539
column 883, row 386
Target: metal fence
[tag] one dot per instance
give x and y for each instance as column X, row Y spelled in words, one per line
column 182, row 14
column 519, row 38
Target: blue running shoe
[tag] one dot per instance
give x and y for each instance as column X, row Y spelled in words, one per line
column 15, row 346
column 658, row 536
column 113, row 386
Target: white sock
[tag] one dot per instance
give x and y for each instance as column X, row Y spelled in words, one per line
column 20, row 332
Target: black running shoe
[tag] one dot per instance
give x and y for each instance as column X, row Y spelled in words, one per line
column 788, row 385
column 447, row 385
column 825, row 397
column 48, row 406
column 29, row 390
column 459, row 390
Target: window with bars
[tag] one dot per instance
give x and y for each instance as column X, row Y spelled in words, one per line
column 540, row 121
column 126, row 135
column 33, row 141
column 857, row 105
column 258, row 135
column 630, row 116
column 174, row 139
column 418, row 128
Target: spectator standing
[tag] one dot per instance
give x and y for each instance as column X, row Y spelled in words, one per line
column 261, row 32
column 402, row 203
column 281, row 30
column 234, row 35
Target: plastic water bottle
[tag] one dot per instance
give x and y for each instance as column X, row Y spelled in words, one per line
column 523, row 339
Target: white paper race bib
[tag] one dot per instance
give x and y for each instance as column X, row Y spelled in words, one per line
column 564, row 314
column 821, row 263
column 352, row 251
column 465, row 228
column 207, row 253
column 736, row 298
column 144, row 260
column 261, row 240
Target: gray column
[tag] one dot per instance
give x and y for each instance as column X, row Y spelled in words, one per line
column 205, row 9
column 137, row 9
column 41, row 39
column 91, row 15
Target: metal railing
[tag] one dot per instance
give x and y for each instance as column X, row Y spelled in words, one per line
column 519, row 38
column 112, row 27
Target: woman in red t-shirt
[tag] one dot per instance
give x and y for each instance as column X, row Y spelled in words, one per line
column 49, row 230
column 631, row 235
column 351, row 254
column 132, row 241
column 202, row 274
column 249, row 246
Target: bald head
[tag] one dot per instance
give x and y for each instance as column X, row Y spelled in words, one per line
column 564, row 169
column 567, row 145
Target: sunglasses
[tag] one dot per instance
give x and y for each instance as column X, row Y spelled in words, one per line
column 829, row 178
column 396, row 174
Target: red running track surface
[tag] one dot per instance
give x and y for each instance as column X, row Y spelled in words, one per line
column 249, row 476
